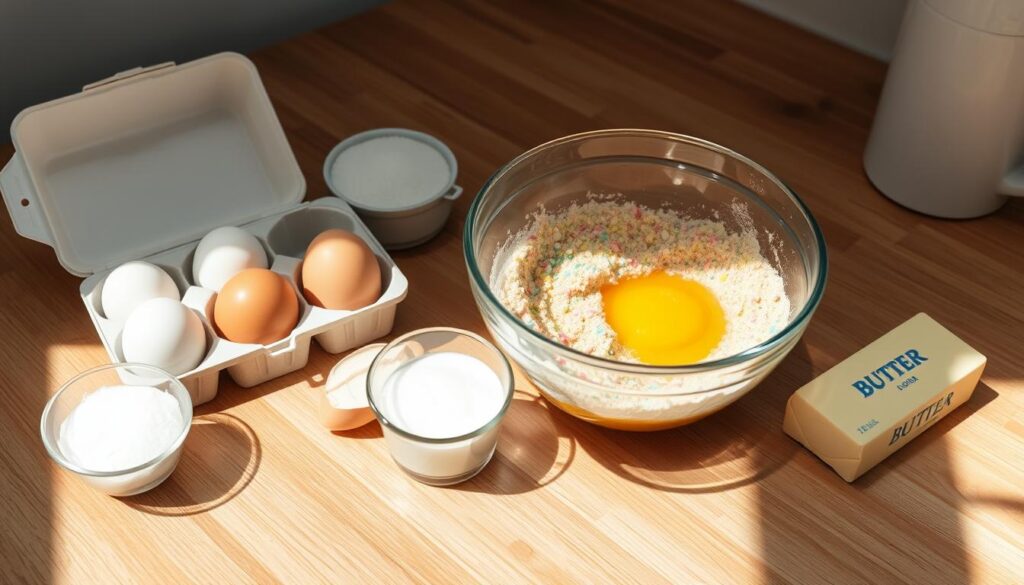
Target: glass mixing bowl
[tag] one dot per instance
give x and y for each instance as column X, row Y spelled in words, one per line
column 658, row 170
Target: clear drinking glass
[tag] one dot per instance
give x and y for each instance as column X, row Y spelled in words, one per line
column 660, row 170
column 125, row 482
column 438, row 461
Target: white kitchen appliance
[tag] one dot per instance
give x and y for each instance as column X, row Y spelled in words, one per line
column 948, row 136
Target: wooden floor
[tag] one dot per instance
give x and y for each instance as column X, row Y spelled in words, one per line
column 263, row 494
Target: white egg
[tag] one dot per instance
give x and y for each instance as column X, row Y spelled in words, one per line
column 131, row 284
column 166, row 334
column 223, row 253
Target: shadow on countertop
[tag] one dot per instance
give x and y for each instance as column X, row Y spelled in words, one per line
column 220, row 458
column 737, row 446
column 535, row 448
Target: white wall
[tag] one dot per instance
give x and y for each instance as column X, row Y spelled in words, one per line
column 50, row 48
column 868, row 26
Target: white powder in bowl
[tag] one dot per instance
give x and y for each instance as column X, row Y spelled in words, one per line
column 119, row 427
column 390, row 172
column 550, row 275
column 553, row 272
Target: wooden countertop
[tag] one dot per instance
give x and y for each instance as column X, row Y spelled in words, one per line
column 263, row 494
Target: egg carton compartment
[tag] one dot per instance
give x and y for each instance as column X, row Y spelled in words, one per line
column 289, row 234
column 201, row 381
column 184, row 263
column 201, row 384
column 280, row 357
column 284, row 236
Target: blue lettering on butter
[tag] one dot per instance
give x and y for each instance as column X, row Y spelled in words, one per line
column 915, row 356
column 877, row 382
column 864, row 388
column 896, row 368
column 874, row 380
column 887, row 374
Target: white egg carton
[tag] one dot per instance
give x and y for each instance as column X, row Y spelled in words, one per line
column 143, row 165
column 284, row 237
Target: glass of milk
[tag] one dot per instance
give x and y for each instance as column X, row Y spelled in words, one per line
column 440, row 395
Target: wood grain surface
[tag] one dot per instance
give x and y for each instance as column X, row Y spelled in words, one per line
column 263, row 494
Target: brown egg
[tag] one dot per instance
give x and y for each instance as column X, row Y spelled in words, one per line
column 340, row 272
column 256, row 306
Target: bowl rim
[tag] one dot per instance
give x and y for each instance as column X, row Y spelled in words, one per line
column 794, row 324
column 432, row 141
column 59, row 458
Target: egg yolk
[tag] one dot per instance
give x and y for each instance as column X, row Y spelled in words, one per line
column 664, row 319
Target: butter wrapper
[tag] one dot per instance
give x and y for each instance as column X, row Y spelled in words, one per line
column 868, row 406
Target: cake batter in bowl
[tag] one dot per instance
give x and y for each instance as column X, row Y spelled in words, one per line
column 656, row 195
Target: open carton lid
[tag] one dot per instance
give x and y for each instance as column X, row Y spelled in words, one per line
column 148, row 160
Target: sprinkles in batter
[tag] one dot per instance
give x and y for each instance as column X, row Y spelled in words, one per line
column 552, row 274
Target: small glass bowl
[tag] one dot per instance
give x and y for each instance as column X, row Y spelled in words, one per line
column 439, row 461
column 126, row 482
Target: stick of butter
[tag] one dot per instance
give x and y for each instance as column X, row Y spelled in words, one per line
column 880, row 398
